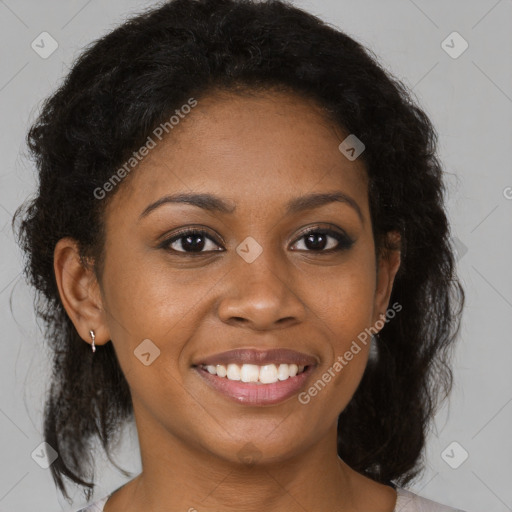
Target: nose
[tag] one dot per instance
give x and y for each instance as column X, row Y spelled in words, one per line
column 261, row 297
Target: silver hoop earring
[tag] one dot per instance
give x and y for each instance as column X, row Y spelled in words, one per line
column 93, row 338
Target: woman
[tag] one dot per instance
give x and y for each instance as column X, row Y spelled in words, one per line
column 243, row 214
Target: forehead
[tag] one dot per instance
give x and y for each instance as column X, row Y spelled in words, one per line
column 252, row 149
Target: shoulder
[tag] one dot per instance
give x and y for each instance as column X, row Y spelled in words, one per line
column 408, row 501
column 97, row 506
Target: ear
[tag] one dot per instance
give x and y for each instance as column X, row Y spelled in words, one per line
column 79, row 292
column 388, row 265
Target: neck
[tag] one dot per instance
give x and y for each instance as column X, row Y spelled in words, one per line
column 177, row 477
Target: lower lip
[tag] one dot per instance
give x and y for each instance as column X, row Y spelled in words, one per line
column 256, row 394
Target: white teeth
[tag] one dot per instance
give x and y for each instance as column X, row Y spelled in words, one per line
column 266, row 374
column 249, row 373
column 233, row 372
column 293, row 370
column 282, row 372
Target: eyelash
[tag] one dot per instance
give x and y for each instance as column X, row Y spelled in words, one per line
column 344, row 242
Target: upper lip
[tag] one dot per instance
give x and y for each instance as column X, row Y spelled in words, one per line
column 259, row 357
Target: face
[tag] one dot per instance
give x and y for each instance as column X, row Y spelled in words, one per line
column 262, row 275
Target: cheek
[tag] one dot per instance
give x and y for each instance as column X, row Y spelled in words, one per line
column 345, row 308
column 147, row 298
column 152, row 311
column 334, row 384
column 344, row 300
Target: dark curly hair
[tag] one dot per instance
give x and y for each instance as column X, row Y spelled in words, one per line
column 127, row 83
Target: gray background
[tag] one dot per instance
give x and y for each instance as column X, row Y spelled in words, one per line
column 469, row 99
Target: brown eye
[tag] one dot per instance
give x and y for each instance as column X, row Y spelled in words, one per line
column 190, row 241
column 199, row 241
column 325, row 240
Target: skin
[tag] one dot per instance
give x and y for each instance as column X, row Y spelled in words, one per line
column 257, row 153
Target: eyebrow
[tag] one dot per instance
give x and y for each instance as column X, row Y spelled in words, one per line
column 214, row 203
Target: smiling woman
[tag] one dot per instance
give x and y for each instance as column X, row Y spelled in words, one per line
column 270, row 293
